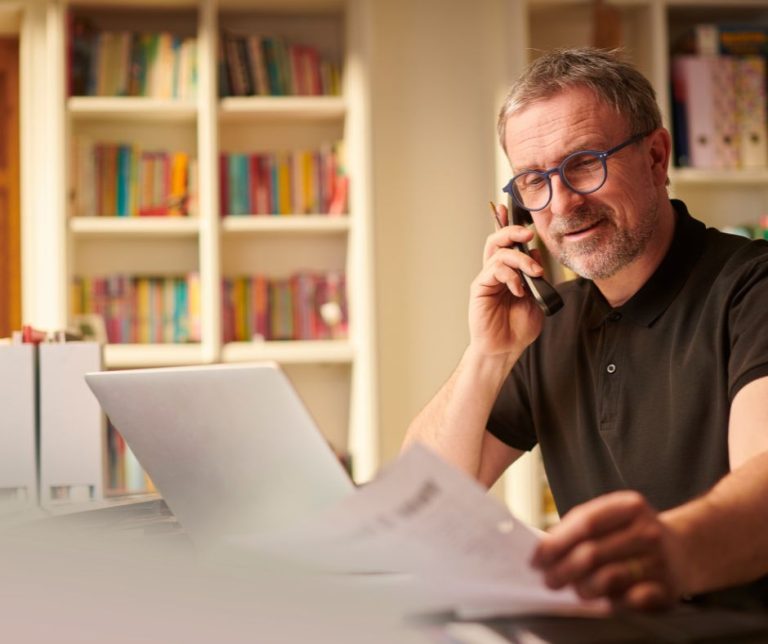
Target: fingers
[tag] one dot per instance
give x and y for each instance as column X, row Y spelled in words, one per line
column 503, row 268
column 647, row 596
column 501, row 258
column 628, row 547
column 589, row 521
column 614, row 546
column 501, row 215
column 610, row 580
column 506, row 237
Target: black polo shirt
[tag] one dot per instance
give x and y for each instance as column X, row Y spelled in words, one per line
column 638, row 397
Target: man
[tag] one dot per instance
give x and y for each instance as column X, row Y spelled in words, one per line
column 647, row 390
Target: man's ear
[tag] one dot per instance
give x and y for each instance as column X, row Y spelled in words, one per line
column 660, row 150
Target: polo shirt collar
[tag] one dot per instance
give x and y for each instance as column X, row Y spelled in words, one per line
column 655, row 296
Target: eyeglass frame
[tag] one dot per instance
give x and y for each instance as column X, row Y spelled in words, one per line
column 558, row 169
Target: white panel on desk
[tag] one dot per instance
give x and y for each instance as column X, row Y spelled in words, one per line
column 71, row 421
column 18, row 471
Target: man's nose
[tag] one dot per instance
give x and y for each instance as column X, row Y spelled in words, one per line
column 564, row 200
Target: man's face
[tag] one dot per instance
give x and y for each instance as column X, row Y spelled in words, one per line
column 598, row 234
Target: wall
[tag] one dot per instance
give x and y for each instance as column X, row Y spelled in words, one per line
column 437, row 69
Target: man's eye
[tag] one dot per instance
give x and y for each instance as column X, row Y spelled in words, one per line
column 583, row 164
column 533, row 181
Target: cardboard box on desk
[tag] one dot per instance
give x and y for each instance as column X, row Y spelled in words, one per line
column 71, row 424
column 18, row 427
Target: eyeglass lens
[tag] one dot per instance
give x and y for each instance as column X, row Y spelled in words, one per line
column 583, row 172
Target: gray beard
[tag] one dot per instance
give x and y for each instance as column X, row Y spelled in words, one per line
column 604, row 256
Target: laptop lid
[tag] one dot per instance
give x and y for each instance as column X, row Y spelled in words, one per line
column 231, row 448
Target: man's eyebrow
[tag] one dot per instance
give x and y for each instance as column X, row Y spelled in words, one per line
column 576, row 148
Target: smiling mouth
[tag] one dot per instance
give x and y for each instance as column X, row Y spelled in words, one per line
column 583, row 229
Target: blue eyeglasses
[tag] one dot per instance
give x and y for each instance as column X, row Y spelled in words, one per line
column 583, row 172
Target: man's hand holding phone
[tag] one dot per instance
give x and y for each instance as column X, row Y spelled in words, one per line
column 503, row 316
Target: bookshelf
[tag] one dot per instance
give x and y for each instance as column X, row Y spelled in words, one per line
column 646, row 30
column 335, row 375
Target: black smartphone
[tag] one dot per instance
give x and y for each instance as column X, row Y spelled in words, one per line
column 543, row 292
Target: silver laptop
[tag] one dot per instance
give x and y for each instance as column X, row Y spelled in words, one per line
column 231, row 448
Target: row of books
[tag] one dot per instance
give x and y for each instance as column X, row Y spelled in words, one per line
column 728, row 38
column 268, row 66
column 141, row 309
column 126, row 63
column 124, row 473
column 281, row 183
column 305, row 306
column 719, row 111
column 124, row 180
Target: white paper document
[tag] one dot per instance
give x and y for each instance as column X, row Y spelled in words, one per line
column 422, row 518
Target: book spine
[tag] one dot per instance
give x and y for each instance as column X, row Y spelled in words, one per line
column 227, row 312
column 123, row 180
column 193, row 289
column 751, row 111
column 260, row 308
column 254, row 184
column 259, row 79
column 224, row 184
column 723, row 69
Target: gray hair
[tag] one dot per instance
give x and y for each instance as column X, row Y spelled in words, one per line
column 615, row 82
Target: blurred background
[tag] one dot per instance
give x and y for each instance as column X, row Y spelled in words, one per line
column 365, row 246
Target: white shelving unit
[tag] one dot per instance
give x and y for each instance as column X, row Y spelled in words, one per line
column 131, row 108
column 718, row 198
column 135, row 356
column 311, row 108
column 294, row 352
column 337, row 378
column 291, row 224
column 134, row 226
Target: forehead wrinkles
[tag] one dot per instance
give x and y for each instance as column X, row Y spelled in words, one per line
column 545, row 149
column 543, row 134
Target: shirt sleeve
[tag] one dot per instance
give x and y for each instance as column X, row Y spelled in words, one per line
column 510, row 420
column 748, row 326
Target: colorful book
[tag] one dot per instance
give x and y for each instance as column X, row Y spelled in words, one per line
column 177, row 202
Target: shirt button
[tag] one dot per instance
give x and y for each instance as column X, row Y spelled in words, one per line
column 615, row 316
column 611, row 368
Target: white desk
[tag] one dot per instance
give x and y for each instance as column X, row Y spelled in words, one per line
column 125, row 572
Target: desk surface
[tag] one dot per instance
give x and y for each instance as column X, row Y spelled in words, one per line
column 112, row 562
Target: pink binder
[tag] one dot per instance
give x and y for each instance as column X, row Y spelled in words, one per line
column 751, row 112
column 708, row 85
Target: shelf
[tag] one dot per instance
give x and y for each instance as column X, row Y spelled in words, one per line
column 698, row 5
column 286, row 224
column 283, row 6
column 128, row 356
column 205, row 126
column 234, row 108
column 698, row 176
column 290, row 352
column 142, row 4
column 133, row 108
column 96, row 227
column 548, row 4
